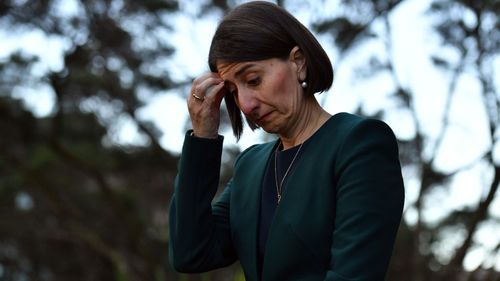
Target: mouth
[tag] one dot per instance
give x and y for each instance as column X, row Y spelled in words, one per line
column 264, row 118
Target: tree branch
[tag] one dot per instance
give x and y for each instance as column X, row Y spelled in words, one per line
column 479, row 215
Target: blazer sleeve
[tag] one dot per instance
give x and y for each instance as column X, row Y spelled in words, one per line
column 369, row 203
column 199, row 231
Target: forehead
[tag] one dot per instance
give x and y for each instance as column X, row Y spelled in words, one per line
column 233, row 69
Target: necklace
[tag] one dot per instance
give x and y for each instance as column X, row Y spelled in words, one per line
column 280, row 184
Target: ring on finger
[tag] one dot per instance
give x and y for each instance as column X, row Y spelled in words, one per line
column 198, row 97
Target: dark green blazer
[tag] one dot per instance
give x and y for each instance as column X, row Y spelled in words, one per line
column 337, row 220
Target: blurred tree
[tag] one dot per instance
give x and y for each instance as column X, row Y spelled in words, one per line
column 470, row 29
column 75, row 205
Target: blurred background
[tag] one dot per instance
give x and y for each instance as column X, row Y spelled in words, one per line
column 93, row 114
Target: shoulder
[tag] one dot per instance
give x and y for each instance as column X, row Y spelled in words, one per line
column 346, row 136
column 361, row 136
column 345, row 127
column 362, row 129
column 348, row 122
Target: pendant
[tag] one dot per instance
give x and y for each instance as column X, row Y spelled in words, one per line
column 279, row 198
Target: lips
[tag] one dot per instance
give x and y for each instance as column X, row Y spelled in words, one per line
column 264, row 118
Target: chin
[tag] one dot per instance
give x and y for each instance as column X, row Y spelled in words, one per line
column 269, row 129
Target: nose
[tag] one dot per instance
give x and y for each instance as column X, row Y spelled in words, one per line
column 247, row 101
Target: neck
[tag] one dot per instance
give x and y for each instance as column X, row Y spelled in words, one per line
column 312, row 117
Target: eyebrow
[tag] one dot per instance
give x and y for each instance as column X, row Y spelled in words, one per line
column 243, row 69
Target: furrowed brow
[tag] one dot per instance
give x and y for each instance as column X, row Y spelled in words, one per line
column 238, row 73
column 243, row 69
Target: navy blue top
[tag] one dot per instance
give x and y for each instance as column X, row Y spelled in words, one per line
column 269, row 197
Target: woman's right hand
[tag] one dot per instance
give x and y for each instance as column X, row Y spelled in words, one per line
column 204, row 102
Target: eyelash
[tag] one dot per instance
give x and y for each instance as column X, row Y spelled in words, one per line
column 252, row 82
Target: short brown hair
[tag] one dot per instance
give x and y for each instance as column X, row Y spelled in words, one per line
column 261, row 30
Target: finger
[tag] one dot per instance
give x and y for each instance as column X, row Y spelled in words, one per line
column 198, row 96
column 205, row 76
column 195, row 94
column 221, row 91
column 204, row 88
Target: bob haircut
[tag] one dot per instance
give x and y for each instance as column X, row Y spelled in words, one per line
column 261, row 30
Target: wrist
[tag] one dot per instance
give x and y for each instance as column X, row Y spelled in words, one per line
column 203, row 136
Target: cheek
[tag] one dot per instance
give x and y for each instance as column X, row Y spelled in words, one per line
column 281, row 84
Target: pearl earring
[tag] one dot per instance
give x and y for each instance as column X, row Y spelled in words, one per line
column 303, row 84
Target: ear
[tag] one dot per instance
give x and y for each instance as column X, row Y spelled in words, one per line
column 299, row 60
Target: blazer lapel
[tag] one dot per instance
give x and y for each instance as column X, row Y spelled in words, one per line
column 245, row 205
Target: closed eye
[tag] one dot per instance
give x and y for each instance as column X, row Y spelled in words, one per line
column 254, row 82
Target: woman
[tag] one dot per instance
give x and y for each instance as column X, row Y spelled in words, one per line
column 323, row 202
